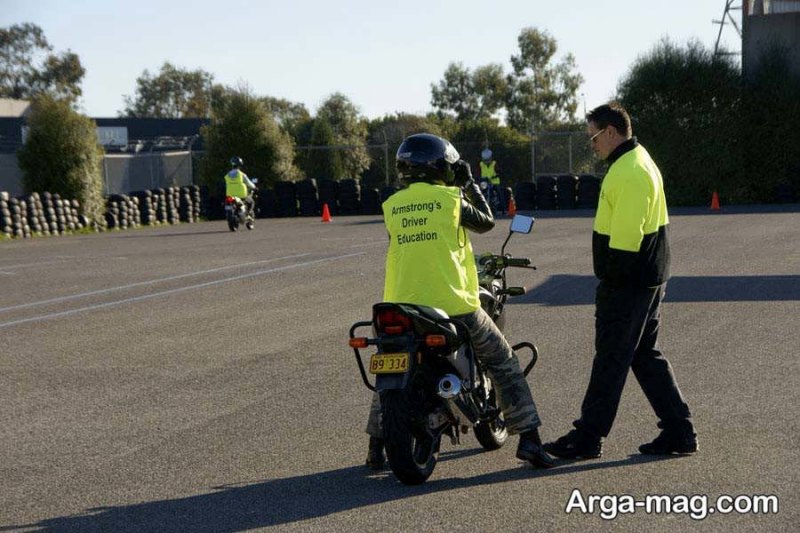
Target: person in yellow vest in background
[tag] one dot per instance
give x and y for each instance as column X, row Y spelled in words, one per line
column 431, row 263
column 488, row 167
column 238, row 185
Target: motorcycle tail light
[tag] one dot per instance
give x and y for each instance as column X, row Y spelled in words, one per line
column 435, row 340
column 392, row 322
column 229, row 199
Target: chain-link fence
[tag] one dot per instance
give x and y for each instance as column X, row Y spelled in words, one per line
column 554, row 153
column 124, row 173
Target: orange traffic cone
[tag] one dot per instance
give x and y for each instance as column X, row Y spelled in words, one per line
column 512, row 206
column 326, row 214
column 715, row 201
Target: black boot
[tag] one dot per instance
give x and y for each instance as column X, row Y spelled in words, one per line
column 671, row 442
column 375, row 457
column 576, row 444
column 530, row 449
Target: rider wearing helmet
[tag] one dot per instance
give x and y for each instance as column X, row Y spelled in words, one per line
column 430, row 262
column 238, row 185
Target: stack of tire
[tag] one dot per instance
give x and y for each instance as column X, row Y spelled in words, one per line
column 194, row 191
column 185, row 205
column 6, row 222
column 784, row 194
column 546, row 192
column 349, row 197
column 286, row 198
column 566, row 191
column 371, row 201
column 328, row 190
column 35, row 213
column 147, row 207
column 122, row 212
column 386, row 192
column 588, row 191
column 49, row 206
column 307, row 197
column 266, row 204
column 525, row 196
column 173, row 203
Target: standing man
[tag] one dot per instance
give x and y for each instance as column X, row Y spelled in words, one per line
column 441, row 273
column 630, row 247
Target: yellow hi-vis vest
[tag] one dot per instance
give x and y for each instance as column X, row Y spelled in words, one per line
column 488, row 171
column 234, row 184
column 430, row 260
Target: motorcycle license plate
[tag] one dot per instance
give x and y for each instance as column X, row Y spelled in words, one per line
column 228, row 208
column 388, row 363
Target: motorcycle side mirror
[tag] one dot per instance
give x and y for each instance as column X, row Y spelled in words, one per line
column 521, row 224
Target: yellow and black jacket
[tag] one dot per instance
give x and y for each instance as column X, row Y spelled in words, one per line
column 630, row 243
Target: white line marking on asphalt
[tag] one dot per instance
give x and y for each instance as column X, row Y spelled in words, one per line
column 172, row 291
column 139, row 284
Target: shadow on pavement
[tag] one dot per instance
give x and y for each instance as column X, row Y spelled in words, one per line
column 573, row 289
column 284, row 501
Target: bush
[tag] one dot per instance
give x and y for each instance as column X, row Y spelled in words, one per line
column 61, row 155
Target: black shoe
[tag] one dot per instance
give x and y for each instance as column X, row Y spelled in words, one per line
column 576, row 444
column 530, row 449
column 669, row 442
column 375, row 457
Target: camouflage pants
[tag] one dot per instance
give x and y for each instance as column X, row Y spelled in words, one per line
column 502, row 365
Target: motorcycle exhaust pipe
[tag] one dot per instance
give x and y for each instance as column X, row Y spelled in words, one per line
column 449, row 387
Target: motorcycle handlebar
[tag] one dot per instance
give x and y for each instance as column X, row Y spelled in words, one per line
column 517, row 261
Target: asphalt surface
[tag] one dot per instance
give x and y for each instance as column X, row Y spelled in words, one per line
column 187, row 378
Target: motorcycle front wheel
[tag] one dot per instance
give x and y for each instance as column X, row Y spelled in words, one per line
column 410, row 449
column 492, row 435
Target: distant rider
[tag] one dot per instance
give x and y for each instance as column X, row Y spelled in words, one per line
column 488, row 168
column 238, row 185
column 441, row 273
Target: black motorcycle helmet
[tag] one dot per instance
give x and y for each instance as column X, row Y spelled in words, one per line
column 236, row 162
column 426, row 157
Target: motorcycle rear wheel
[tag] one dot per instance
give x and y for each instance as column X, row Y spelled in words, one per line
column 233, row 224
column 492, row 435
column 410, row 449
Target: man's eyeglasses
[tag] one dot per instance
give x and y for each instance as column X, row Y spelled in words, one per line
column 594, row 137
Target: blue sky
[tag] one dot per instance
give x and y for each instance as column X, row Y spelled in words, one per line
column 383, row 55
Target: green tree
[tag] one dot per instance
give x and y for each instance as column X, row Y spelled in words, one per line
column 243, row 127
column 349, row 130
column 323, row 162
column 770, row 138
column 173, row 93
column 289, row 115
column 61, row 155
column 684, row 104
column 27, row 69
column 537, row 86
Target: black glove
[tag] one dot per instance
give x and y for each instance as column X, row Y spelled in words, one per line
column 462, row 173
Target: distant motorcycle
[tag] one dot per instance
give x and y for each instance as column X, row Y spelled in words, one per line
column 237, row 213
column 429, row 380
column 492, row 195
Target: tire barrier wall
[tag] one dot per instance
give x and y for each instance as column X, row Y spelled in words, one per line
column 558, row 192
column 48, row 214
column 39, row 215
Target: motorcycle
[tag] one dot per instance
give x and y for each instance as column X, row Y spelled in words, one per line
column 431, row 383
column 237, row 212
column 492, row 195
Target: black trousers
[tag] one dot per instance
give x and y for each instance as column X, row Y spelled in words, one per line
column 626, row 334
